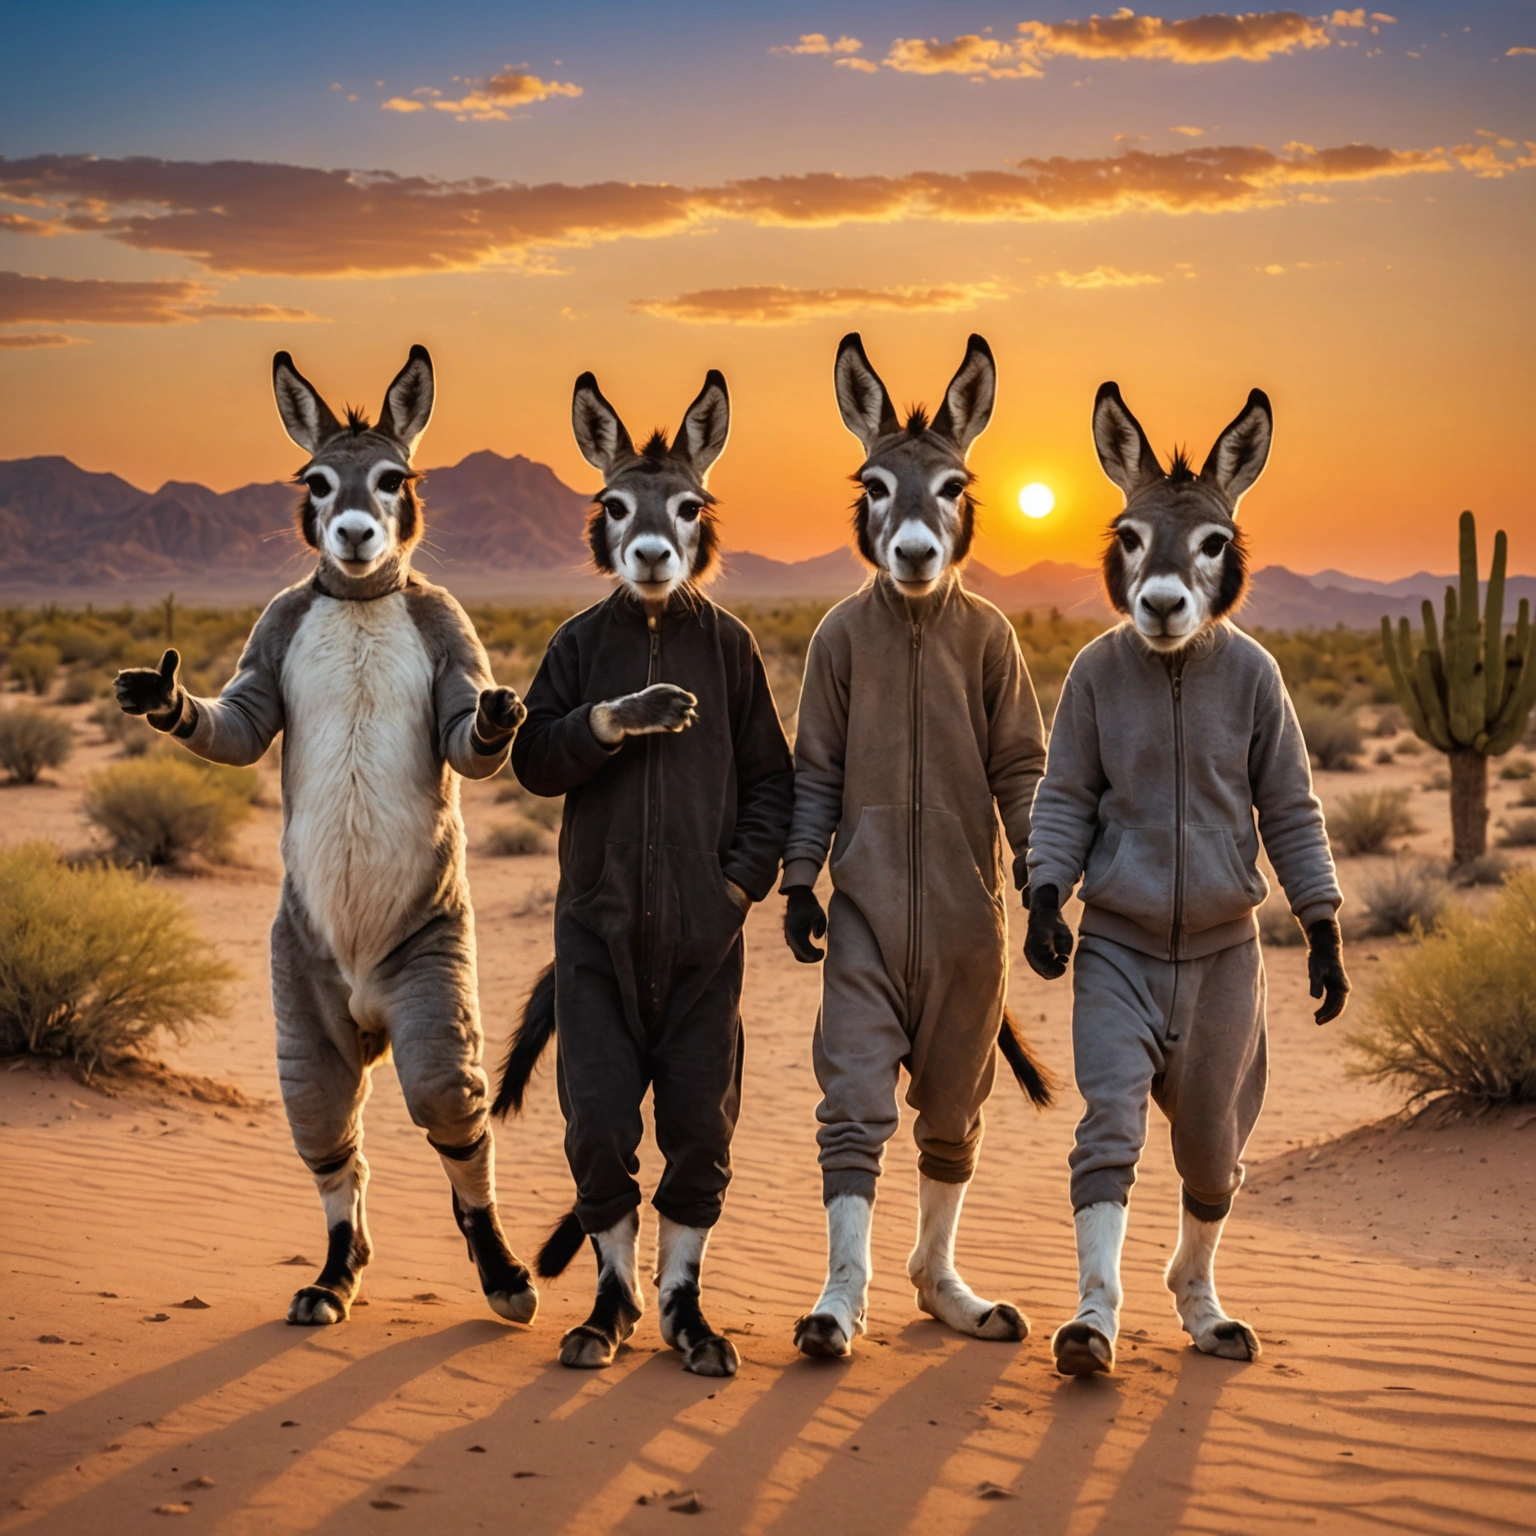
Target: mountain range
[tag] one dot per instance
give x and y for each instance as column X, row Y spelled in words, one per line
column 505, row 528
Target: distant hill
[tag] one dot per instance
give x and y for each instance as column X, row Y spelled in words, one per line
column 504, row 528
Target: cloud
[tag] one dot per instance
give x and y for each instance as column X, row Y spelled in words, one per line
column 20, row 224
column 1100, row 277
column 24, row 342
column 103, row 301
column 1487, row 163
column 491, row 100
column 1516, row 52
column 1186, row 40
column 237, row 216
column 1188, row 132
column 864, row 66
column 816, row 43
column 982, row 57
column 774, row 304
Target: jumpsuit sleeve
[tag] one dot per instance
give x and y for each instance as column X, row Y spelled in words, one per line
column 555, row 750
column 1066, row 809
column 463, row 672
column 237, row 727
column 765, row 779
column 1015, row 743
column 821, row 741
column 1290, row 817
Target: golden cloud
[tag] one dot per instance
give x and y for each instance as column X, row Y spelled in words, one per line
column 816, row 43
column 970, row 54
column 1516, row 52
column 285, row 220
column 20, row 224
column 256, row 312
column 104, row 301
column 1487, row 163
column 774, row 304
column 492, row 100
column 1100, row 277
column 24, row 342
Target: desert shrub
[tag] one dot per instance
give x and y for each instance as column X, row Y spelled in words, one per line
column 1333, row 736
column 1366, row 822
column 1438, row 781
column 162, row 810
column 1458, row 1015
column 1407, row 898
column 34, row 666
column 543, row 810
column 1527, row 795
column 133, row 737
column 31, row 741
column 95, row 962
column 81, row 687
column 1384, row 757
column 1517, row 832
column 1517, row 768
column 1488, row 869
column 1278, row 928
column 238, row 783
column 516, row 839
column 1390, row 721
column 1408, row 746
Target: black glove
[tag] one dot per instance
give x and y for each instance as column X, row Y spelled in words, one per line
column 500, row 713
column 803, row 919
column 150, row 690
column 1325, row 968
column 1048, row 941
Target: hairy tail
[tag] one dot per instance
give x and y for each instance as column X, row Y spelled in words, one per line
column 528, row 1042
column 560, row 1247
column 1033, row 1078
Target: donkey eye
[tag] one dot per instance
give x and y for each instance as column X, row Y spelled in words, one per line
column 616, row 509
column 690, row 510
column 1213, row 546
column 390, row 483
column 1130, row 540
column 317, row 485
column 874, row 487
column 953, row 490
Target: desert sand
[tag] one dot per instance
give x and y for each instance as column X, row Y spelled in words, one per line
column 1388, row 1269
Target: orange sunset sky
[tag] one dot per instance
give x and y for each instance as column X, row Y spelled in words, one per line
column 1336, row 207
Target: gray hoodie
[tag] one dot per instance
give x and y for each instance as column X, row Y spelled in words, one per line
column 1163, row 774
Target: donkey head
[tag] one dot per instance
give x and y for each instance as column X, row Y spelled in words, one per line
column 359, row 510
column 654, row 523
column 1175, row 561
column 916, row 517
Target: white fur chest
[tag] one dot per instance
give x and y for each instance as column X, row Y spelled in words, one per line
column 363, row 784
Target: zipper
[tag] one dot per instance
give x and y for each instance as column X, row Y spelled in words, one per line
column 915, row 831
column 1177, row 676
column 650, row 870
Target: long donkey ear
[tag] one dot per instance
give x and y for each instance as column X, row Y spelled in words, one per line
column 1242, row 450
column 307, row 419
column 1123, row 448
column 408, row 401
column 601, row 436
column 970, row 397
column 861, row 397
column 701, row 438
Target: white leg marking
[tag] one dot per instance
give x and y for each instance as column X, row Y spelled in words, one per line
column 941, row 1293
column 474, row 1179
column 844, row 1299
column 1087, row 1343
column 619, row 1256
column 1191, row 1276
column 679, row 1261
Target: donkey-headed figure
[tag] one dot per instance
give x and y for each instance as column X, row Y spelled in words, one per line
column 1174, row 750
column 918, row 725
column 651, row 714
column 384, row 697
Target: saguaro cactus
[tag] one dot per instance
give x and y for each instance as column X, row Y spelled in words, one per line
column 1469, row 688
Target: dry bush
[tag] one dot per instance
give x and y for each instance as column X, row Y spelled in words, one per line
column 516, row 839
column 34, row 666
column 1517, row 832
column 1458, row 1014
column 1438, row 782
column 544, row 810
column 31, row 741
column 95, row 962
column 1408, row 746
column 1366, row 822
column 1517, row 768
column 1527, row 795
column 1410, row 897
column 81, row 687
column 163, row 810
column 1384, row 757
column 1390, row 720
column 1333, row 735
column 133, row 737
column 1278, row 928
column 1488, row 869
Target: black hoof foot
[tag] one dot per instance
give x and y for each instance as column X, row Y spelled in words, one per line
column 1004, row 1323
column 1232, row 1340
column 317, row 1307
column 821, row 1336
column 1081, row 1350
column 715, row 1356
column 585, row 1349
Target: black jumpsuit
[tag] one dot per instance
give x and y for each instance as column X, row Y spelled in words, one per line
column 648, row 947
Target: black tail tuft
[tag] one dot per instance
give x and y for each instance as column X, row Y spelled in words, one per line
column 528, row 1042
column 1033, row 1078
column 560, row 1247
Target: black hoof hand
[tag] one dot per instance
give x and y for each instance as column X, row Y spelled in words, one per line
column 148, row 690
column 712, row 1356
column 504, row 1278
column 661, row 707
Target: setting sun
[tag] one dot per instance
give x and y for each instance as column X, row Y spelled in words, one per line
column 1036, row 500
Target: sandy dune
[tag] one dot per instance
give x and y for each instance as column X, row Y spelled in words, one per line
column 1397, row 1391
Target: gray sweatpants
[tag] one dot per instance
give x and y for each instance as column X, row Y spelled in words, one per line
column 1188, row 1034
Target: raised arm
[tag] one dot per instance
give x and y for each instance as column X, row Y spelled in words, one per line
column 1015, row 744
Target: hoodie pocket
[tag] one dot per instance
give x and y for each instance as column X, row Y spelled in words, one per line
column 1218, row 886
column 1136, row 879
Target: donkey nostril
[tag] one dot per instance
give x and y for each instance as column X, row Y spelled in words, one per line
column 914, row 553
